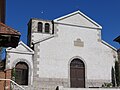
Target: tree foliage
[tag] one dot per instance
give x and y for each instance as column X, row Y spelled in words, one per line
column 117, row 73
column 113, row 77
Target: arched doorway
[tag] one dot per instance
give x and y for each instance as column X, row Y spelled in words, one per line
column 77, row 73
column 21, row 73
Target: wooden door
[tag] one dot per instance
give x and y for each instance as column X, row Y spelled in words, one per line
column 21, row 73
column 77, row 74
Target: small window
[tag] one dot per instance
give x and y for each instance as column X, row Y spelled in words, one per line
column 47, row 28
column 40, row 27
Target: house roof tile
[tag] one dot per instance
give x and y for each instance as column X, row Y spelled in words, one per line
column 4, row 29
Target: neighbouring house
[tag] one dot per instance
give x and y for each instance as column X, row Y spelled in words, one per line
column 8, row 38
column 67, row 51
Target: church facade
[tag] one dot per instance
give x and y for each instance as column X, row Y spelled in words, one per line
column 67, row 51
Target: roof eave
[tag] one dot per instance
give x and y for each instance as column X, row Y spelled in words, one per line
column 65, row 16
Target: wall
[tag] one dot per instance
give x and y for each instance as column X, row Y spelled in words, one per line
column 62, row 88
column 54, row 56
column 21, row 53
column 5, row 75
column 2, row 83
column 33, row 30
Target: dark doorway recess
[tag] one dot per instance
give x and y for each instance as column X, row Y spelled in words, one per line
column 21, row 73
column 77, row 73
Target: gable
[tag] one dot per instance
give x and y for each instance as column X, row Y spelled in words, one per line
column 78, row 19
column 21, row 48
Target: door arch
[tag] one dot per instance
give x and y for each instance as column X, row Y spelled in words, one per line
column 77, row 73
column 21, row 73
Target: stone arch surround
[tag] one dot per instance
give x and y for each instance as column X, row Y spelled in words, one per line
column 85, row 68
column 29, row 66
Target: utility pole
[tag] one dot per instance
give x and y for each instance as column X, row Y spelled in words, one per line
column 2, row 18
column 2, row 11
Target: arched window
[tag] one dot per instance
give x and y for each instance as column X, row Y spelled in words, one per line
column 21, row 73
column 47, row 27
column 77, row 73
column 40, row 26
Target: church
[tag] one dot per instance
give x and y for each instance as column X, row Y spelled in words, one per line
column 67, row 51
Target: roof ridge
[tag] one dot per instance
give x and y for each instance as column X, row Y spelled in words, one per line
column 81, row 13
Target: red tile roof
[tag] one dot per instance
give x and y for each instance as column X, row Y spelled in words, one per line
column 4, row 29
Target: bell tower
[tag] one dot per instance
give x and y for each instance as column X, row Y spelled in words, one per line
column 2, row 11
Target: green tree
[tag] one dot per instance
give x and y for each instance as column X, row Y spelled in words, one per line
column 113, row 77
column 117, row 74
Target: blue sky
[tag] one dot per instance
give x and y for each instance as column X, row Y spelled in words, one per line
column 104, row 12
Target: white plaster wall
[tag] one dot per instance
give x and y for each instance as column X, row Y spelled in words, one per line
column 78, row 20
column 38, row 36
column 16, row 56
column 56, row 53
